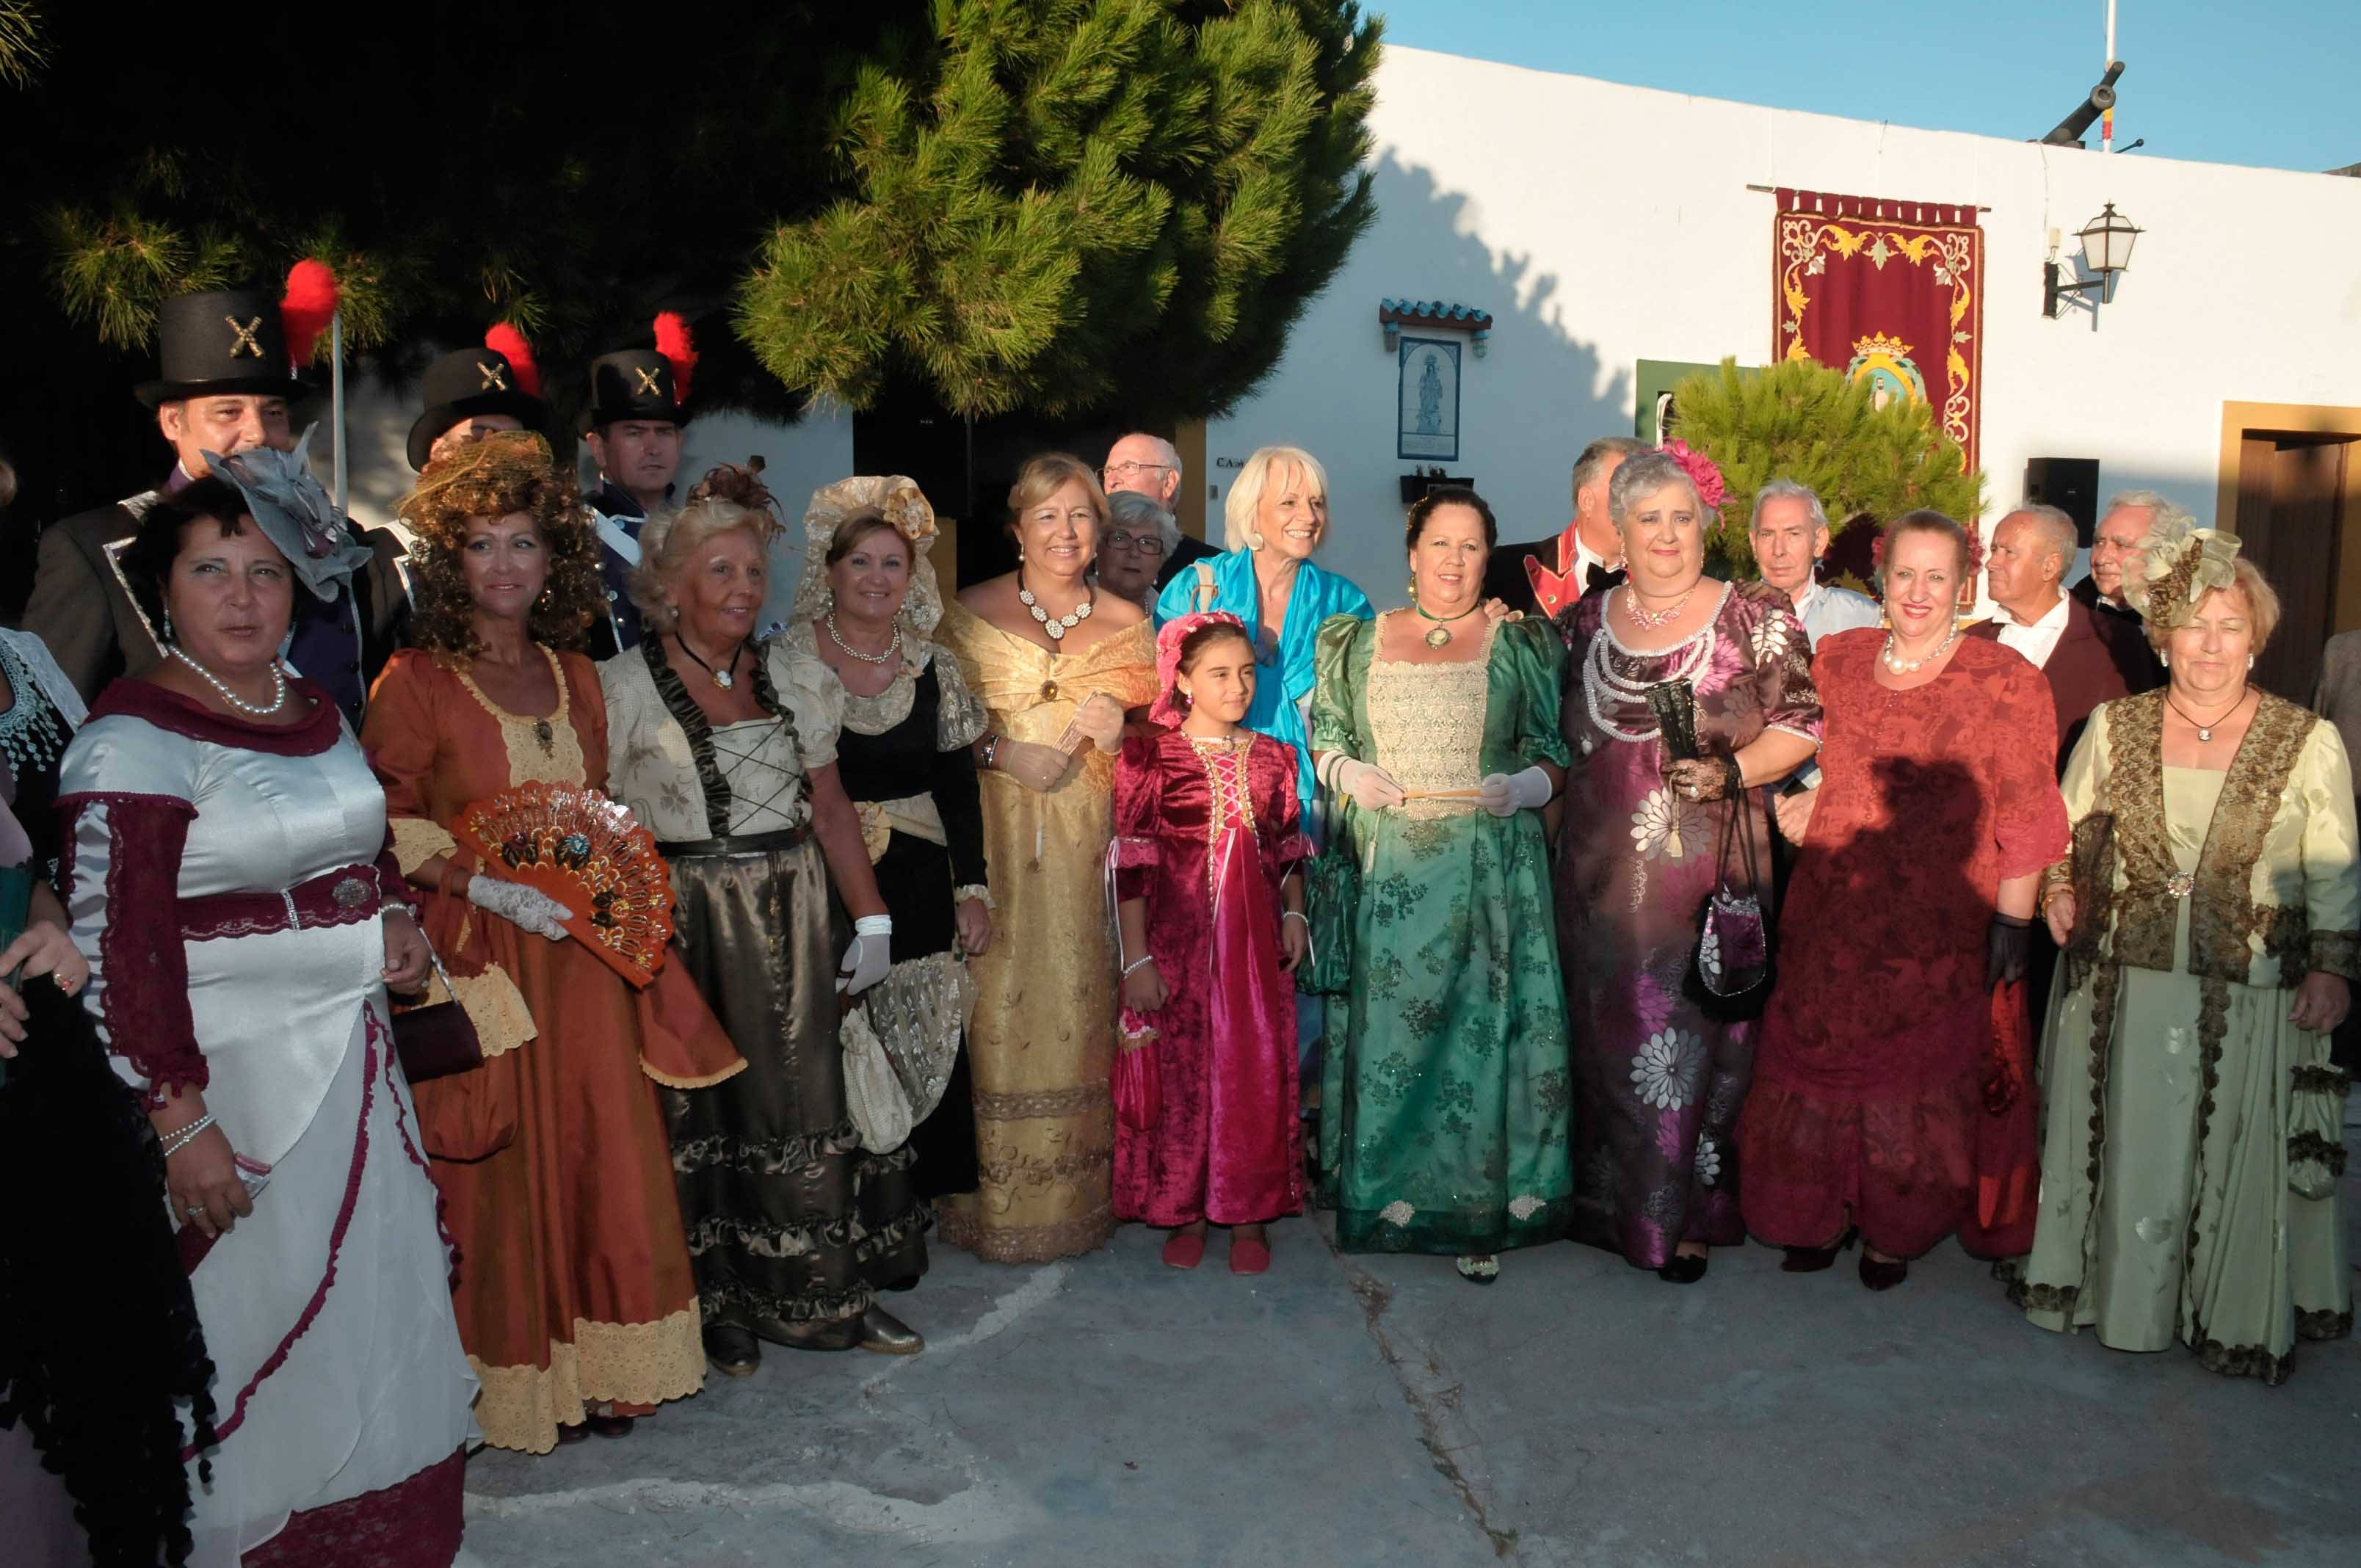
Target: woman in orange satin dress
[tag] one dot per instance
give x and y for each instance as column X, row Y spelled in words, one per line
column 575, row 1301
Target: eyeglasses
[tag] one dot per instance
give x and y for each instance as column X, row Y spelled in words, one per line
column 1146, row 544
column 1129, row 470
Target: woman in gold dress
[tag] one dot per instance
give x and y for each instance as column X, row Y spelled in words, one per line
column 1058, row 663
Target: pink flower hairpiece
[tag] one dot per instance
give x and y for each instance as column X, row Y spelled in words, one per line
column 1170, row 710
column 1702, row 473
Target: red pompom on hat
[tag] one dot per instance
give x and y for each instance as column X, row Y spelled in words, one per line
column 507, row 341
column 308, row 306
column 678, row 345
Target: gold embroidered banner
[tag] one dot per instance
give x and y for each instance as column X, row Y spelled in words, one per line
column 1892, row 291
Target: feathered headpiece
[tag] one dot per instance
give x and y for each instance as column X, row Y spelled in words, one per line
column 2172, row 569
column 902, row 504
column 1170, row 710
column 508, row 342
column 294, row 512
column 678, row 345
column 307, row 308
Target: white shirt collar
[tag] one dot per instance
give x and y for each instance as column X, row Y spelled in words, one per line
column 2054, row 620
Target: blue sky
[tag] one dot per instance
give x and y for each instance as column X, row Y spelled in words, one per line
column 2273, row 82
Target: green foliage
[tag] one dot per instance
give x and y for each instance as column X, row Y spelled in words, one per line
column 1802, row 421
column 21, row 51
column 1062, row 195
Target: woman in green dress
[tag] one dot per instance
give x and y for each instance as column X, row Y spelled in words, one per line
column 1443, row 1124
column 2194, row 1131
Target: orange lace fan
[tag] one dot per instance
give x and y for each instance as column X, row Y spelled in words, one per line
column 573, row 844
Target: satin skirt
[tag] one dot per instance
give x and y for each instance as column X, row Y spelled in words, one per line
column 790, row 1222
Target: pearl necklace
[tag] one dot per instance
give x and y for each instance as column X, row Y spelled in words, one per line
column 1651, row 619
column 278, row 685
column 1605, row 689
column 893, row 643
column 1057, row 625
column 1911, row 666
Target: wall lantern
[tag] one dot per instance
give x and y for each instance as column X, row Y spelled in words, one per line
column 2106, row 249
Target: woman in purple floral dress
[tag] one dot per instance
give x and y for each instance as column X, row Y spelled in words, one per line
column 1657, row 1083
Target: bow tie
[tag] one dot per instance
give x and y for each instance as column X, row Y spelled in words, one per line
column 1595, row 576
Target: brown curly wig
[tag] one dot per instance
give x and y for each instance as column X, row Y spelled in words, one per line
column 505, row 473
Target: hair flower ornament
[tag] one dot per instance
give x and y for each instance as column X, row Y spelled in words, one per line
column 2174, row 567
column 1701, row 471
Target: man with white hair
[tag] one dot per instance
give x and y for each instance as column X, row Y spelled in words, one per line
column 1150, row 466
column 2085, row 656
column 1790, row 533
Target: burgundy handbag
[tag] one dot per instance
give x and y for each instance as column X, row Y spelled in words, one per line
column 437, row 1039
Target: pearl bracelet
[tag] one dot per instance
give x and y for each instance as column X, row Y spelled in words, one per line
column 181, row 1137
column 1296, row 915
column 1137, row 962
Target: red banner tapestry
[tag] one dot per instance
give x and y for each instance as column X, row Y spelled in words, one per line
column 1889, row 291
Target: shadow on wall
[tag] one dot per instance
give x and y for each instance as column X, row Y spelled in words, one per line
column 1526, row 408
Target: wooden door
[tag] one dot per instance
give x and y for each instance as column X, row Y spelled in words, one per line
column 2291, row 496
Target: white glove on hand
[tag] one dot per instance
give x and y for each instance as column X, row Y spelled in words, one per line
column 521, row 906
column 1099, row 720
column 866, row 961
column 1505, row 794
column 1371, row 787
column 1032, row 764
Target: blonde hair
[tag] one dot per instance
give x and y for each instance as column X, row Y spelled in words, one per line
column 2262, row 605
column 1045, row 475
column 1246, row 491
column 667, row 542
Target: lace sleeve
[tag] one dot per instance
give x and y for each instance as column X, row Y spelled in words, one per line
column 961, row 717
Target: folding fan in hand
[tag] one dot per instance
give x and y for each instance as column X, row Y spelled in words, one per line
column 573, row 844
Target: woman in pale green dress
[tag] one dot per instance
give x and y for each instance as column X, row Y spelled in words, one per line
column 1443, row 1116
column 2192, row 1133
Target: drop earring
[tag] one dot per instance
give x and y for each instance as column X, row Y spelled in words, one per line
column 168, row 625
column 2165, row 658
column 2250, row 661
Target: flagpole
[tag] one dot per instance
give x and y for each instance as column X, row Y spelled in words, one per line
column 337, row 398
column 2107, row 123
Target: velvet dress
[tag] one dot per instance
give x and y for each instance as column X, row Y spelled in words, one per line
column 1657, row 1083
column 1206, row 834
column 1878, row 1096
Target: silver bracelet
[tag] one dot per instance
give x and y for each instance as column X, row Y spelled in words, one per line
column 181, row 1137
column 1136, row 964
column 1288, row 914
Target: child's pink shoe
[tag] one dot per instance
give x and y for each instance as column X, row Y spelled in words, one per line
column 1184, row 1250
column 1248, row 1256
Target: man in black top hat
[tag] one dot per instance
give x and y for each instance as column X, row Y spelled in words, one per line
column 225, row 387
column 474, row 391
column 634, row 436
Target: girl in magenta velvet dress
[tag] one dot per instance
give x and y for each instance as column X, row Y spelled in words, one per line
column 1205, row 858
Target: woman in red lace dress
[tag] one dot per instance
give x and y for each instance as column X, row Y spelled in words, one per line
column 1880, row 1101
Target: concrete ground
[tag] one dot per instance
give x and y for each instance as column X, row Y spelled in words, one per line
column 1362, row 1409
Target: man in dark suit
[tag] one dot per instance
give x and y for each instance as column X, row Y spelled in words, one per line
column 2129, row 518
column 226, row 385
column 2080, row 652
column 1150, row 466
column 637, row 409
column 1548, row 574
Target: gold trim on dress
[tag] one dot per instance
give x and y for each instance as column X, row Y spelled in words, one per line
column 418, row 839
column 495, row 1008
column 532, row 758
column 626, row 1363
column 707, row 1081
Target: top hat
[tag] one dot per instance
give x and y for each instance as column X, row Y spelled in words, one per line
column 481, row 381
column 645, row 383
column 220, row 344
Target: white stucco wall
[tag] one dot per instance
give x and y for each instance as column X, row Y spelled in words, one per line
column 1602, row 225
column 797, row 459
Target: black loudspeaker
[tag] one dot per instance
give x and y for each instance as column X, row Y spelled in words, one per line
column 929, row 445
column 2069, row 484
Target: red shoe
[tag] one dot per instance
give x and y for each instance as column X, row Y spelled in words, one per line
column 1248, row 1256
column 1182, row 1250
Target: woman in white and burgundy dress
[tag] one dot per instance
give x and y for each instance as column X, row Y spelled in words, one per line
column 229, row 890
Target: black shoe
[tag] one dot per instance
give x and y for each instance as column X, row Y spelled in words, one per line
column 578, row 1432
column 842, row 1335
column 732, row 1350
column 611, row 1426
column 1813, row 1259
column 1879, row 1275
column 1682, row 1270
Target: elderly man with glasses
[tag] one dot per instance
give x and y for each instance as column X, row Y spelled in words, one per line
column 1150, row 466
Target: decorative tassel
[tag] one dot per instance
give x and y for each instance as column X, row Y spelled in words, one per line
column 507, row 340
column 678, row 345
column 309, row 305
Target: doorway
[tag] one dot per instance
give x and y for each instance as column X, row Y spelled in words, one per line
column 2291, row 489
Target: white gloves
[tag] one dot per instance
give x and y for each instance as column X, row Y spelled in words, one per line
column 1505, row 794
column 1032, row 764
column 514, row 902
column 866, row 961
column 1371, row 787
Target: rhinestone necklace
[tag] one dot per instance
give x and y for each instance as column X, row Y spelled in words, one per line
column 1057, row 625
column 1651, row 619
column 278, row 685
column 893, row 643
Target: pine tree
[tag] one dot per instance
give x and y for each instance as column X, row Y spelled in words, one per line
column 1802, row 421
column 1060, row 201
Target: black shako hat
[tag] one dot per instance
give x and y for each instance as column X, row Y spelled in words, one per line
column 636, row 383
column 478, row 381
column 220, row 344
